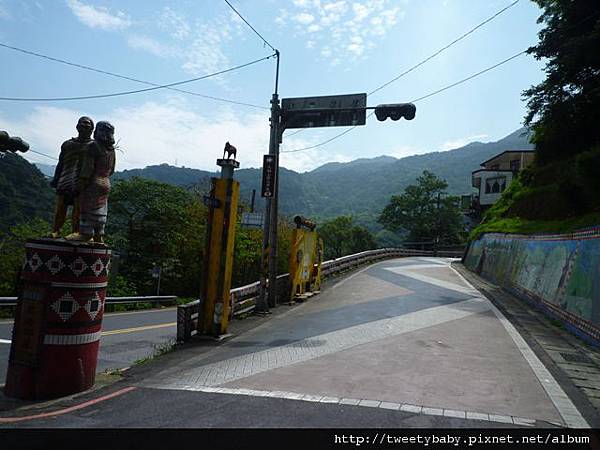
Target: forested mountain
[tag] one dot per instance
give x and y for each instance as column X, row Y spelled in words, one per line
column 25, row 193
column 360, row 188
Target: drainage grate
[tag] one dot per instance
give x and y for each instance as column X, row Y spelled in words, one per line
column 576, row 358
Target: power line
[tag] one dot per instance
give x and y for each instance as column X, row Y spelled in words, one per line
column 253, row 29
column 406, row 72
column 137, row 91
column 414, row 101
column 460, row 38
column 43, row 154
column 124, row 77
column 469, row 77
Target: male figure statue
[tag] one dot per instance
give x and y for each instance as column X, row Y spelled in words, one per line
column 66, row 176
column 95, row 185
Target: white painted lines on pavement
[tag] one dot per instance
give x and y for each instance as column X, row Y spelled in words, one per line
column 569, row 413
column 4, row 341
column 402, row 270
column 368, row 403
column 316, row 346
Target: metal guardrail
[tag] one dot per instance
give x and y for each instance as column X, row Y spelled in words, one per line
column 12, row 301
column 244, row 298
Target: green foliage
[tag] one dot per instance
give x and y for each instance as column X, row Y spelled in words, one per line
column 519, row 201
column 341, row 237
column 25, row 193
column 155, row 223
column 425, row 212
column 12, row 252
column 564, row 108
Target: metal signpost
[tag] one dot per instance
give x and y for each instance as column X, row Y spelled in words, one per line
column 305, row 112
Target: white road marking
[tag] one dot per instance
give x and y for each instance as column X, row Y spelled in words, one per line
column 401, row 270
column 367, row 403
column 4, row 341
column 568, row 411
column 316, row 346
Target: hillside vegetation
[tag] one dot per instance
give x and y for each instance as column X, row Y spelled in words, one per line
column 560, row 190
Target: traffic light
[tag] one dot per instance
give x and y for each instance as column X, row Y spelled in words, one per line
column 395, row 111
column 12, row 143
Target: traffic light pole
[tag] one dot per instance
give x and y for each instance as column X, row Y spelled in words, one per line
column 268, row 279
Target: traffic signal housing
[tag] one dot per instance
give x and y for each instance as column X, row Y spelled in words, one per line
column 395, row 111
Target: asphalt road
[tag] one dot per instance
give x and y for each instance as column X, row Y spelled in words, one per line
column 402, row 343
column 126, row 337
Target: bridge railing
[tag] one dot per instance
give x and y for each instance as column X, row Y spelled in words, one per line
column 12, row 301
column 243, row 298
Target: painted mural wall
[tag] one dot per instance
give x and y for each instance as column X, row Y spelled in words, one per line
column 559, row 272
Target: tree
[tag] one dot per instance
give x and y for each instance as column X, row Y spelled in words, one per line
column 155, row 223
column 425, row 211
column 341, row 237
column 12, row 252
column 564, row 109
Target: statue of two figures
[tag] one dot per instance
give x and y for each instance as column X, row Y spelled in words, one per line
column 82, row 181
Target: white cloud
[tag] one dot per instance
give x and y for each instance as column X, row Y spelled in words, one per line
column 150, row 45
column 4, row 11
column 461, row 142
column 335, row 25
column 174, row 23
column 152, row 133
column 98, row 16
column 304, row 18
column 309, row 159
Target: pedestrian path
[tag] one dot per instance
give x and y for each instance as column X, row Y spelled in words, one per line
column 408, row 334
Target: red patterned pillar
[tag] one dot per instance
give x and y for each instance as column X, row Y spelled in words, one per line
column 57, row 327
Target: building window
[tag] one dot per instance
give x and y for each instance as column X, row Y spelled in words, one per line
column 495, row 185
column 515, row 165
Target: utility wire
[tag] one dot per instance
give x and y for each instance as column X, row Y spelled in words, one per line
column 253, row 29
column 406, row 72
column 414, row 101
column 469, row 77
column 43, row 154
column 460, row 38
column 124, row 77
column 137, row 91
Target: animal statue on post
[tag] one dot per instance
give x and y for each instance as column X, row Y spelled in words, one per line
column 230, row 150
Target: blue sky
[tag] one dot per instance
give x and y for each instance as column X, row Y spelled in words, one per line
column 327, row 47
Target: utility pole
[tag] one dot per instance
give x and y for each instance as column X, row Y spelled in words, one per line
column 268, row 285
column 437, row 227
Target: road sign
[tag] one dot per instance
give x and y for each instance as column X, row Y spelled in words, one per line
column 156, row 272
column 268, row 176
column 326, row 111
column 252, row 220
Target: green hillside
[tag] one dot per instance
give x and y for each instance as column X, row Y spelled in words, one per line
column 25, row 193
column 360, row 188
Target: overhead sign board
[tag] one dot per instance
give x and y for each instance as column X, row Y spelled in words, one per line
column 325, row 111
column 268, row 176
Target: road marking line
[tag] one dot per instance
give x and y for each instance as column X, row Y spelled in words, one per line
column 307, row 349
column 565, row 407
column 67, row 410
column 366, row 403
column 5, row 341
column 135, row 329
column 468, row 289
column 143, row 311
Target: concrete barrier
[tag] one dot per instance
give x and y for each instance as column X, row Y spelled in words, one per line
column 558, row 273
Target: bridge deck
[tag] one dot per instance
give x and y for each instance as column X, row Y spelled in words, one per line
column 407, row 334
